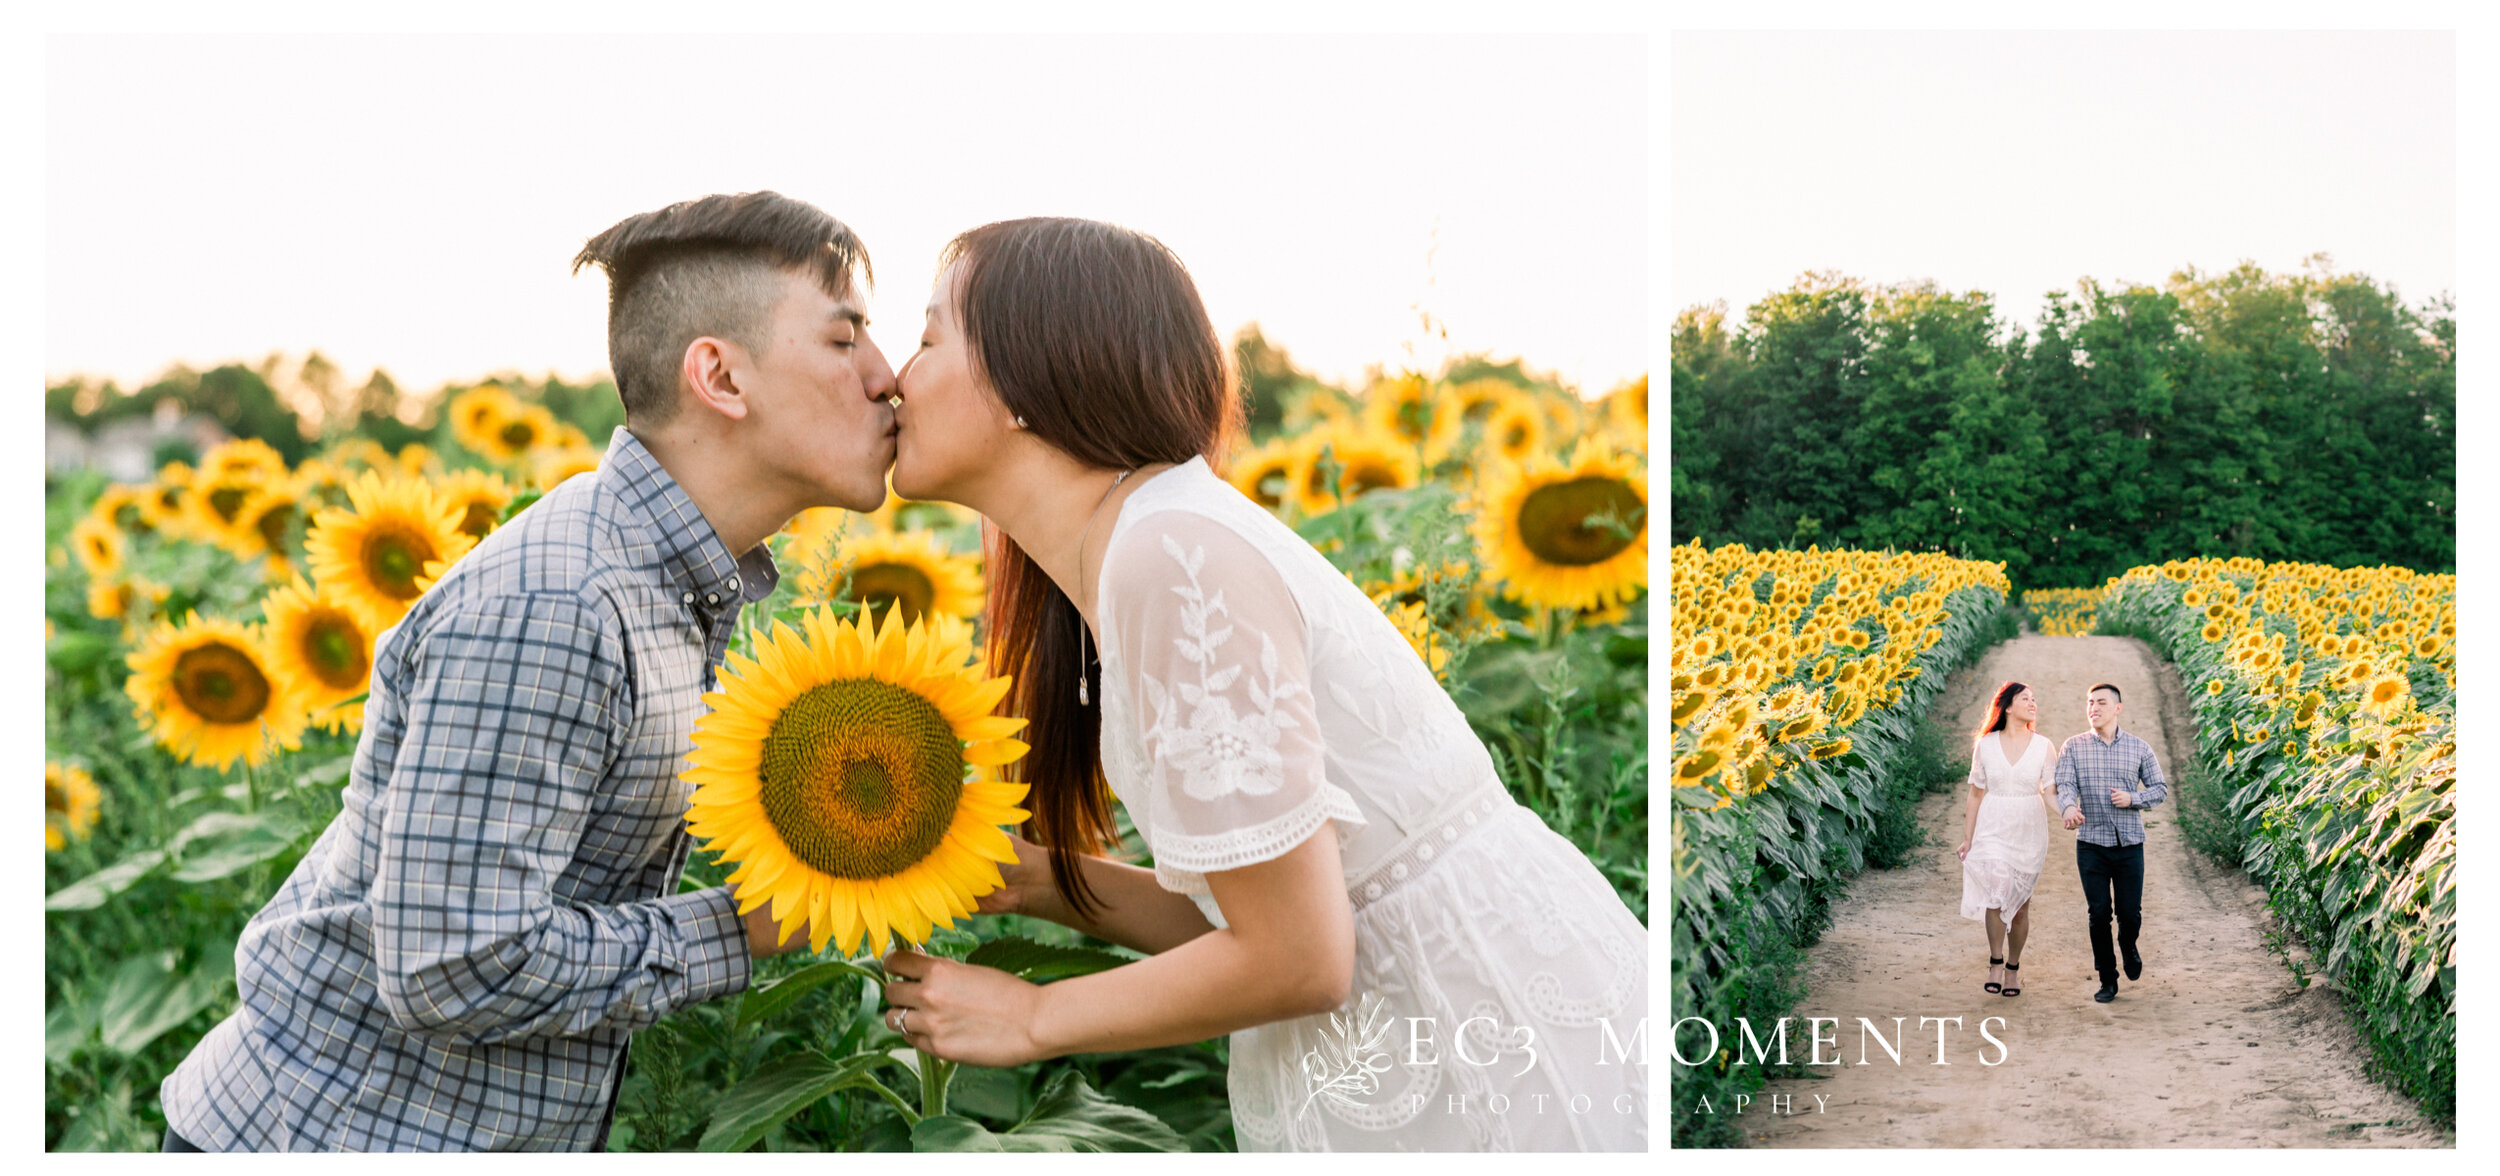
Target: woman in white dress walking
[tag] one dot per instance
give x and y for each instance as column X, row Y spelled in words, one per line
column 1406, row 958
column 2005, row 832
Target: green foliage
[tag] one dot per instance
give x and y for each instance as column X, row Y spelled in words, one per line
column 1754, row 882
column 2307, row 416
column 2206, row 819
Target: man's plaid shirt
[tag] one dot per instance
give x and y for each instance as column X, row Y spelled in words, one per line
column 458, row 961
column 2088, row 768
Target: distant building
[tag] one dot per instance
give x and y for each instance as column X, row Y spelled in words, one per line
column 125, row 449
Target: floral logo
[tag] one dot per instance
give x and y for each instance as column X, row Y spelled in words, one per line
column 1349, row 1060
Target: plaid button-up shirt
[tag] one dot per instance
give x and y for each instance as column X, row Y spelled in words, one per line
column 458, row 961
column 2088, row 768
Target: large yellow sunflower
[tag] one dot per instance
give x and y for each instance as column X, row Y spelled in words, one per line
column 1411, row 409
column 851, row 771
column 248, row 458
column 316, row 641
column 382, row 552
column 1627, row 411
column 480, row 497
column 1569, row 534
column 214, row 507
column 477, row 415
column 1268, row 474
column 122, row 507
column 908, row 569
column 268, row 526
column 70, row 801
column 98, row 545
column 161, row 502
column 1356, row 460
column 1516, row 428
column 207, row 690
column 521, row 433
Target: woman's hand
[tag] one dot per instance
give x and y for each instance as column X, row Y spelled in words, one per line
column 960, row 1012
column 1027, row 888
column 1963, row 852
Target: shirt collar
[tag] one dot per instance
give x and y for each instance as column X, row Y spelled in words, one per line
column 699, row 564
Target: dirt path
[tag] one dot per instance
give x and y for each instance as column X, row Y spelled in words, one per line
column 2215, row 1047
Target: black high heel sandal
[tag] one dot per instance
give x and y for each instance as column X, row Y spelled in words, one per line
column 2010, row 988
column 1993, row 986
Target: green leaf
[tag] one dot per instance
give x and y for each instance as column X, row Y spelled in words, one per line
column 1070, row 1117
column 66, row 1027
column 1042, row 963
column 149, row 996
column 75, row 652
column 781, row 994
column 234, row 854
column 98, row 888
column 782, row 1088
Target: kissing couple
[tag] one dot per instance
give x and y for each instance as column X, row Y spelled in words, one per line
column 460, row 959
column 2102, row 780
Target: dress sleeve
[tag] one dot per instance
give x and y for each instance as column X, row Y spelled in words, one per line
column 1215, row 651
column 1978, row 774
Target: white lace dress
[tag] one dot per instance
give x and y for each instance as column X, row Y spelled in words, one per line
column 2010, row 842
column 1252, row 696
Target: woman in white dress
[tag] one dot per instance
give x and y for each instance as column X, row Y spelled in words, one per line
column 2005, row 833
column 1405, row 958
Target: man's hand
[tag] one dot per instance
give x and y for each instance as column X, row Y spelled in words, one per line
column 1025, row 884
column 2120, row 798
column 764, row 935
column 2074, row 817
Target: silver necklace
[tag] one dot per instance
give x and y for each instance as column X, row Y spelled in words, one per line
column 1083, row 697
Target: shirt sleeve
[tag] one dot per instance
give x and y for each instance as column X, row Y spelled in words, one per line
column 515, row 709
column 2069, row 787
column 2151, row 787
column 1215, row 649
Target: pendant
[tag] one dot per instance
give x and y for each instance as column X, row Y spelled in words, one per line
column 1082, row 697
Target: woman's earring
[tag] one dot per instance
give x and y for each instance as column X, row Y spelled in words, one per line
column 1020, row 423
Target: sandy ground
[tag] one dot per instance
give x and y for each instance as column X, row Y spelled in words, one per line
column 2215, row 1046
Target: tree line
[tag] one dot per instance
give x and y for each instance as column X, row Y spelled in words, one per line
column 2307, row 416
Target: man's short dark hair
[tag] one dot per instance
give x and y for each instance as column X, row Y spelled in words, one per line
column 707, row 267
column 2113, row 692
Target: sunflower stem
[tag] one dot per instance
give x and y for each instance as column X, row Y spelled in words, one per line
column 892, row 1099
column 934, row 1075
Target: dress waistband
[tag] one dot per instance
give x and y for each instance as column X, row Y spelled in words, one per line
column 1428, row 841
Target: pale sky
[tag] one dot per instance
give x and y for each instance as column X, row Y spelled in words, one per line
column 2019, row 162
column 412, row 202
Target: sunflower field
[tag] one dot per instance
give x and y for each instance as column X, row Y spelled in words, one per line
column 2061, row 612
column 209, row 633
column 1800, row 682
column 2325, row 703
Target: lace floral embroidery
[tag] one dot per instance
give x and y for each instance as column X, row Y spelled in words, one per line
column 1217, row 752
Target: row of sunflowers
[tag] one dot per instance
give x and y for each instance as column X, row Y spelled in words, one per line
column 1501, row 526
column 2325, row 703
column 1800, row 681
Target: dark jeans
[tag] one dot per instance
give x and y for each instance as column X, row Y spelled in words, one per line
column 176, row 1143
column 2108, row 870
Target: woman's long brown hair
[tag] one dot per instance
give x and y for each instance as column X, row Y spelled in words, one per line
column 1996, row 709
column 1095, row 335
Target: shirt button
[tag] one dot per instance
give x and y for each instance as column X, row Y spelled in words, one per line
column 733, row 583
column 1398, row 871
column 1424, row 852
column 711, row 598
column 686, row 599
column 1449, row 833
column 1372, row 891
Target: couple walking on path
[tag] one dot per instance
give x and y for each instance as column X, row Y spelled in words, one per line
column 2103, row 780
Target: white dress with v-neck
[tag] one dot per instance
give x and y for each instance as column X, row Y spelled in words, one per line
column 1253, row 698
column 2010, row 843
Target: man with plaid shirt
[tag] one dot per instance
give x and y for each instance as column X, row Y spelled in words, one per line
column 2106, row 778
column 459, row 960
